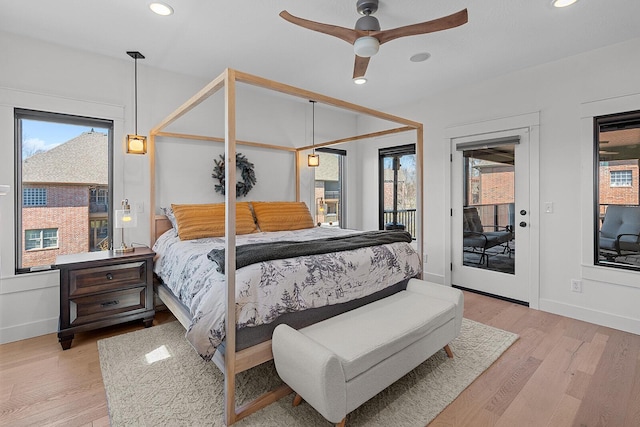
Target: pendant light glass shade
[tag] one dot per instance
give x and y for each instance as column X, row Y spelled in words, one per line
column 313, row 160
column 136, row 144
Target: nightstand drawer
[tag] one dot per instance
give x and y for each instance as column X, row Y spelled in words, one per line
column 98, row 307
column 100, row 279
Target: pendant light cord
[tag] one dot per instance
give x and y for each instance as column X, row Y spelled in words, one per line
column 135, row 102
column 313, row 125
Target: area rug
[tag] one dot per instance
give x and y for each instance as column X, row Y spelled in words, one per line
column 153, row 377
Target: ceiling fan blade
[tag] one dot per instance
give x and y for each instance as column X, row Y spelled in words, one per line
column 346, row 34
column 360, row 66
column 444, row 23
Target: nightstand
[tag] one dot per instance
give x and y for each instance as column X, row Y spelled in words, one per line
column 104, row 288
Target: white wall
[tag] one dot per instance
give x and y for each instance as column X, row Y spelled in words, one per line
column 44, row 76
column 559, row 91
column 41, row 76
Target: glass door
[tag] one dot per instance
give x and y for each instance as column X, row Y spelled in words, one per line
column 490, row 215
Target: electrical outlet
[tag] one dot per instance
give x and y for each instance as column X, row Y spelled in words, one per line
column 576, row 285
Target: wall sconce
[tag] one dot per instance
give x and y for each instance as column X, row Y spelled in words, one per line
column 125, row 218
column 136, row 144
column 313, row 160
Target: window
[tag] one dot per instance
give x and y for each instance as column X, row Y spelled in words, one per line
column 623, row 178
column 34, row 196
column 398, row 188
column 329, row 188
column 63, row 181
column 41, row 239
column 617, row 207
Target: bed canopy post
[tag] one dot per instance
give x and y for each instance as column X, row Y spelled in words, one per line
column 151, row 145
column 296, row 165
column 419, row 199
column 230, row 244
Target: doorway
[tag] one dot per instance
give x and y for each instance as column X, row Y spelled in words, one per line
column 491, row 214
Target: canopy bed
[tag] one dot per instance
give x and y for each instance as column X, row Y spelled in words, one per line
column 227, row 354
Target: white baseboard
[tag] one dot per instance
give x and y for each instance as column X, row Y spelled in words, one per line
column 609, row 320
column 434, row 278
column 28, row 330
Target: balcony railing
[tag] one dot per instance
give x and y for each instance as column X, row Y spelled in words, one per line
column 496, row 215
column 406, row 217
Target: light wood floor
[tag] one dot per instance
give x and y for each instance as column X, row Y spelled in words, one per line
column 561, row 372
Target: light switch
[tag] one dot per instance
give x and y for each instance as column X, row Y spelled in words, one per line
column 548, row 207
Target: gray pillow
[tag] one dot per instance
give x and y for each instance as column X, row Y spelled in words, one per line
column 168, row 212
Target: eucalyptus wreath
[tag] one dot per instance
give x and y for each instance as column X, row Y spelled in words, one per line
column 246, row 172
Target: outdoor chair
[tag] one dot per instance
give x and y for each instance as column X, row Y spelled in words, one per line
column 620, row 231
column 477, row 240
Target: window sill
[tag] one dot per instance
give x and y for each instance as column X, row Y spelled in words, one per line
column 29, row 282
column 611, row 275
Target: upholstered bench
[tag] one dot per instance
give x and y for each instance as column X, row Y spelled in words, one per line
column 340, row 363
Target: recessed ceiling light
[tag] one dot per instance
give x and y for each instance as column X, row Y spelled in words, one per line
column 562, row 3
column 161, row 8
column 359, row 80
column 419, row 57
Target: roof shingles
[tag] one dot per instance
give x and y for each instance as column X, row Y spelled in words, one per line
column 81, row 160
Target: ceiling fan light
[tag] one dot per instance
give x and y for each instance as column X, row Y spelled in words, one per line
column 366, row 46
column 562, row 3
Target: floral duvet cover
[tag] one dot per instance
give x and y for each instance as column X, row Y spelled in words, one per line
column 268, row 289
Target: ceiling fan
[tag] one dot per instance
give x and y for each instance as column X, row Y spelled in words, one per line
column 367, row 37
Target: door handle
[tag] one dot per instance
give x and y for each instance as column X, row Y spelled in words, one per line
column 523, row 224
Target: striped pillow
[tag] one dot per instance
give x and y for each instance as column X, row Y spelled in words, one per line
column 281, row 216
column 207, row 220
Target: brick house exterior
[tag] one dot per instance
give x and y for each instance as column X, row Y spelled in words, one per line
column 67, row 179
column 611, row 194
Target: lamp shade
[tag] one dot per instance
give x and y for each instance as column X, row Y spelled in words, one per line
column 313, row 160
column 366, row 46
column 126, row 218
column 136, row 144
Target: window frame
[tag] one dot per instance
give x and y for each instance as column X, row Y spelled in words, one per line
column 617, row 121
column 400, row 150
column 342, row 211
column 60, row 118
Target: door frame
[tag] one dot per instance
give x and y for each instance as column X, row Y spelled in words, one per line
column 532, row 122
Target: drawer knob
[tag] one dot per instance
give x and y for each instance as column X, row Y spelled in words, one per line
column 109, row 303
column 109, row 276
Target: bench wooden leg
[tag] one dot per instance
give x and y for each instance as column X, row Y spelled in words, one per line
column 449, row 352
column 341, row 423
column 297, row 400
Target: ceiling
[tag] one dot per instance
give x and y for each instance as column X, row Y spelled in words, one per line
column 203, row 37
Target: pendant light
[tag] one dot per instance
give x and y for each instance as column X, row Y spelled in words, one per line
column 136, row 144
column 313, row 159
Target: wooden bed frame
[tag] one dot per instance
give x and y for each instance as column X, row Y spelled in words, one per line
column 233, row 362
